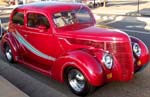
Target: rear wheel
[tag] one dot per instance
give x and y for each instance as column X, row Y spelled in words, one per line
column 78, row 83
column 8, row 53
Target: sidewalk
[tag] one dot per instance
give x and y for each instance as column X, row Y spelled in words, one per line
column 9, row 90
column 124, row 8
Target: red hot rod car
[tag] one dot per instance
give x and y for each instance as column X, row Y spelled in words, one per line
column 61, row 40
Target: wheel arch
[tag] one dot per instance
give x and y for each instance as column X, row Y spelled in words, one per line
column 8, row 40
column 91, row 69
column 145, row 52
column 143, row 60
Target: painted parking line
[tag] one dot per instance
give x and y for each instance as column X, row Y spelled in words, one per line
column 145, row 27
column 142, row 32
column 135, row 26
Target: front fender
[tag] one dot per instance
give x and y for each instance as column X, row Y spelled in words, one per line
column 144, row 58
column 81, row 60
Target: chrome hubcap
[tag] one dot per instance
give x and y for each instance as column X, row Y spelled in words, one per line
column 9, row 54
column 76, row 80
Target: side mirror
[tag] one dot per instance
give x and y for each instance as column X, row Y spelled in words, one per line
column 42, row 28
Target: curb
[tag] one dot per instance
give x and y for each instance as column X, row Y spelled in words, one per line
column 8, row 89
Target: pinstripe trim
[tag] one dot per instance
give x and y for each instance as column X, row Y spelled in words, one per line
column 31, row 48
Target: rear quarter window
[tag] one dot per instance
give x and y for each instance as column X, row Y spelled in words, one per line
column 18, row 18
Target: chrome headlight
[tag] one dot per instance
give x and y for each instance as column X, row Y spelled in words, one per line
column 107, row 60
column 136, row 49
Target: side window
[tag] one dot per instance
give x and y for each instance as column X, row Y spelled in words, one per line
column 18, row 18
column 34, row 20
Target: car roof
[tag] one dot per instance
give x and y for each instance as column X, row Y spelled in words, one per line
column 49, row 6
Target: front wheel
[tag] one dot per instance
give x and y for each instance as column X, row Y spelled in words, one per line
column 78, row 83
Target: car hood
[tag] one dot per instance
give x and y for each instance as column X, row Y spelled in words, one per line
column 94, row 33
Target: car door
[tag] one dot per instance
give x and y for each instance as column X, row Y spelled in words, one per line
column 42, row 46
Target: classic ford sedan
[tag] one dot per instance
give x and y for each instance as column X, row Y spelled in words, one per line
column 61, row 40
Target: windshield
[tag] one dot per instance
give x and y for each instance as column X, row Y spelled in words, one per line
column 66, row 18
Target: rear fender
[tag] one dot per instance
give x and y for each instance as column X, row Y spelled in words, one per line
column 9, row 39
column 81, row 60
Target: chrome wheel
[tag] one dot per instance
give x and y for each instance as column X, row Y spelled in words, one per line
column 8, row 53
column 76, row 80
